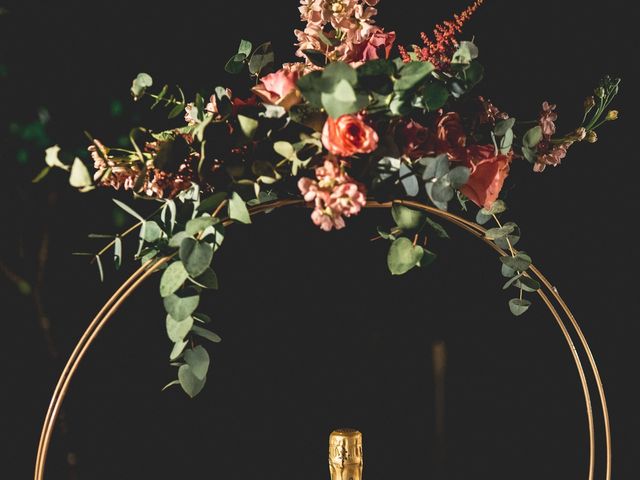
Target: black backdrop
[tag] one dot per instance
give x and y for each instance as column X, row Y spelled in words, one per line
column 316, row 333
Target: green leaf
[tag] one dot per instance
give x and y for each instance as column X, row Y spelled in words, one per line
column 80, row 177
column 208, row 334
column 528, row 284
column 198, row 359
column 176, row 331
column 495, row 233
column 409, row 180
column 129, row 210
column 152, row 231
column 316, row 57
column 207, row 279
column 311, row 88
column 170, row 384
column 530, row 154
column 507, row 271
column 248, row 126
column 245, row 47
column 177, row 349
column 177, row 239
column 201, row 317
column 341, row 101
column 507, row 142
column 437, row 228
column 519, row 306
column 284, row 149
column 496, row 208
column 52, row 158
column 191, row 384
column 435, row 96
column 467, row 51
column 403, row 256
column 140, row 85
column 512, row 280
column 199, row 224
column 338, row 71
column 503, row 126
column 458, row 176
column 212, row 202
column 196, row 255
column 172, row 279
column 238, row 209
column 407, row 219
column 482, row 218
column 412, row 74
column 236, row 63
column 262, row 58
column 532, row 137
column 520, row 262
column 180, row 307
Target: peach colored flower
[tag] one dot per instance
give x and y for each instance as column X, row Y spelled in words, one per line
column 547, row 118
column 488, row 173
column 334, row 194
column 279, row 88
column 348, row 135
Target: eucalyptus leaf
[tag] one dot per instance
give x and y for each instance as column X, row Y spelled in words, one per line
column 198, row 359
column 181, row 307
column 190, row 383
column 80, row 177
column 208, row 334
column 207, row 279
column 177, row 349
column 176, row 331
column 501, row 232
column 407, row 219
column 532, row 137
column 199, row 224
column 520, row 262
column 177, row 239
column 519, row 306
column 196, row 255
column 409, row 180
column 503, row 126
column 248, row 126
column 140, row 85
column 403, row 256
column 238, row 209
column 172, row 278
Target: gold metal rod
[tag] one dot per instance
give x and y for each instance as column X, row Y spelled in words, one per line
column 471, row 227
column 76, row 350
column 576, row 326
column 592, row 361
column 54, row 409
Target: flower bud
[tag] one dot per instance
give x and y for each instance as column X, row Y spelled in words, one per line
column 599, row 92
column 612, row 115
column 591, row 137
column 589, row 103
column 580, row 134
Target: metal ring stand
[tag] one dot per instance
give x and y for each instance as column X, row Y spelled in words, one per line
column 546, row 293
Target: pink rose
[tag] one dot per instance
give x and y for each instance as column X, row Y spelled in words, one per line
column 279, row 88
column 348, row 135
column 488, row 173
column 378, row 46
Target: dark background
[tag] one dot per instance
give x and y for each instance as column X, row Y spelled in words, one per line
column 317, row 335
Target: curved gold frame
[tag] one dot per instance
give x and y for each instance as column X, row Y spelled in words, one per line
column 147, row 269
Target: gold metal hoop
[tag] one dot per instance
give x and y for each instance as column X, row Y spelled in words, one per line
column 546, row 293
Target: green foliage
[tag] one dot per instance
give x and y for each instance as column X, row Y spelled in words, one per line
column 196, row 255
column 407, row 219
column 238, row 209
column 403, row 256
column 180, row 306
column 140, row 85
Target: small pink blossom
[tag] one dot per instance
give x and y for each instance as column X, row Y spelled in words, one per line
column 551, row 157
column 335, row 195
column 547, row 118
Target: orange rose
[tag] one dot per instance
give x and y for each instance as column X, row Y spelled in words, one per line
column 279, row 88
column 488, row 172
column 348, row 135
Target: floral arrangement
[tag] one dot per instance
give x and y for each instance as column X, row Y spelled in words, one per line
column 356, row 118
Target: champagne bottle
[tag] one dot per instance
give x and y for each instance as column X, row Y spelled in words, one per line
column 345, row 454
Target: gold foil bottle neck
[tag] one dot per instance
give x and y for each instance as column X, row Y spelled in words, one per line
column 345, row 454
